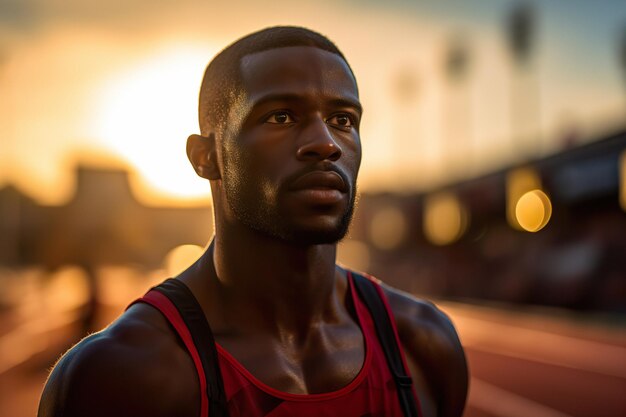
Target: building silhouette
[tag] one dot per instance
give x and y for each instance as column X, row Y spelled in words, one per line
column 103, row 223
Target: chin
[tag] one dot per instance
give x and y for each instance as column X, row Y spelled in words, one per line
column 303, row 230
column 317, row 237
column 320, row 234
column 327, row 233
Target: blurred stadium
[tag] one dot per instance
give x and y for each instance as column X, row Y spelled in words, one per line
column 493, row 180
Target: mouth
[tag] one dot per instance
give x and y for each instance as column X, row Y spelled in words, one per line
column 320, row 196
column 320, row 187
column 322, row 181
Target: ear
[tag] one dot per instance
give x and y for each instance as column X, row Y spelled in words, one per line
column 202, row 154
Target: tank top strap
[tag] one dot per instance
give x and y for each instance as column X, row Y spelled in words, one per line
column 382, row 327
column 363, row 310
column 169, row 311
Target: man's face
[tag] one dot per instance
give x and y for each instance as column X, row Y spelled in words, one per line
column 290, row 171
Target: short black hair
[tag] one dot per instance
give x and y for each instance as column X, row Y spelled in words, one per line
column 222, row 82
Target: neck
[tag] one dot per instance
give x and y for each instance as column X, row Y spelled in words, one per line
column 266, row 283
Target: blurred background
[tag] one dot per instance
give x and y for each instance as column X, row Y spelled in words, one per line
column 493, row 179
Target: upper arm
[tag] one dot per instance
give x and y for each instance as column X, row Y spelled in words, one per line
column 105, row 375
column 55, row 392
column 434, row 352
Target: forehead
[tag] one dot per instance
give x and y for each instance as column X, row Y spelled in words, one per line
column 297, row 70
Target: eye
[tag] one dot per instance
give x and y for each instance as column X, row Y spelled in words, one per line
column 279, row 118
column 341, row 120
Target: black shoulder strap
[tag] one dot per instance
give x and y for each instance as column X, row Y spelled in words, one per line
column 384, row 329
column 193, row 316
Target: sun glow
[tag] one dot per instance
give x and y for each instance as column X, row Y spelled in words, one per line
column 145, row 116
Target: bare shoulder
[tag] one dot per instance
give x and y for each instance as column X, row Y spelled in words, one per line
column 421, row 318
column 133, row 367
column 433, row 350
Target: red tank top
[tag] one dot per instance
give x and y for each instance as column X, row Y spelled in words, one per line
column 372, row 393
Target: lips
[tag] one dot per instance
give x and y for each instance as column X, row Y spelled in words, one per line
column 320, row 180
column 320, row 188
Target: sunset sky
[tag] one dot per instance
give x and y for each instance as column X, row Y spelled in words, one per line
column 115, row 82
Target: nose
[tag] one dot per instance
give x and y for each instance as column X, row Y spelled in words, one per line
column 317, row 142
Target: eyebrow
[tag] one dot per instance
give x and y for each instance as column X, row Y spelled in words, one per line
column 336, row 101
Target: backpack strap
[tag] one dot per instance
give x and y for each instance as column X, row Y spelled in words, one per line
column 193, row 316
column 371, row 295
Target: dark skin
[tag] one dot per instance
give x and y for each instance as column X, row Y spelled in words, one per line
column 265, row 288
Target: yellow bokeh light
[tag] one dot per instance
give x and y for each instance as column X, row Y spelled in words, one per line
column 353, row 254
column 622, row 180
column 145, row 116
column 445, row 218
column 118, row 285
column 179, row 258
column 533, row 210
column 388, row 228
column 518, row 182
column 66, row 289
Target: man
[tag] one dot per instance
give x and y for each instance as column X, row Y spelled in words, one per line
column 279, row 118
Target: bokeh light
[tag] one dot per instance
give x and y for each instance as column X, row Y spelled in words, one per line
column 388, row 228
column 533, row 210
column 622, row 180
column 519, row 181
column 445, row 218
column 353, row 254
column 66, row 289
column 179, row 258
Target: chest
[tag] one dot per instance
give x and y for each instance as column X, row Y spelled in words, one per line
column 327, row 360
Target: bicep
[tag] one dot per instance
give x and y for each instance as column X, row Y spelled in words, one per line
column 455, row 380
column 99, row 377
column 436, row 360
column 58, row 396
column 53, row 395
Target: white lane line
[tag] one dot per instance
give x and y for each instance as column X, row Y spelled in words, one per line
column 503, row 403
column 540, row 346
